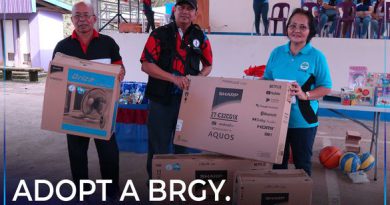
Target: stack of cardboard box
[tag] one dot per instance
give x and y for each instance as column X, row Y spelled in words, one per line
column 190, row 167
column 352, row 142
column 273, row 187
column 236, row 118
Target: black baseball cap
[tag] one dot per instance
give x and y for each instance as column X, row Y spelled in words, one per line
column 193, row 3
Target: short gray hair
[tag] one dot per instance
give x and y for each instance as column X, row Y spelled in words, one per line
column 89, row 5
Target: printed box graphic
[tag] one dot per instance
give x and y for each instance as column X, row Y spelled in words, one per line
column 81, row 97
column 237, row 117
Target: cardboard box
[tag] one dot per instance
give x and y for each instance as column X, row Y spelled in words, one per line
column 204, row 166
column 352, row 142
column 287, row 187
column 351, row 133
column 353, row 148
column 237, row 117
column 352, row 138
column 81, row 97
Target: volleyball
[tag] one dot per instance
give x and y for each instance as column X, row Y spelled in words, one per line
column 349, row 162
column 367, row 161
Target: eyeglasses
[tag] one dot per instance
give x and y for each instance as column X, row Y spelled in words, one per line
column 301, row 28
column 77, row 17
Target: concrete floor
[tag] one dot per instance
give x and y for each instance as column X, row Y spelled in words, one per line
column 32, row 153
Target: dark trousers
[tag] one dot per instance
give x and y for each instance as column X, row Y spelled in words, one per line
column 301, row 141
column 150, row 18
column 108, row 159
column 161, row 129
column 261, row 9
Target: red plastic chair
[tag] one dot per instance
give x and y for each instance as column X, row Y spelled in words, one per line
column 282, row 16
column 347, row 19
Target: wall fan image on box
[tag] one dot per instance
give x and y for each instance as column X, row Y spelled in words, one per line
column 86, row 107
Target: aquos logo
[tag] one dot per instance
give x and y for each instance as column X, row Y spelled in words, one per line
column 226, row 95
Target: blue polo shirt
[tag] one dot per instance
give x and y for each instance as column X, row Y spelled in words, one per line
column 309, row 61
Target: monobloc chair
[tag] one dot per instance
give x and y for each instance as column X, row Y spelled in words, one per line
column 314, row 9
column 347, row 19
column 282, row 16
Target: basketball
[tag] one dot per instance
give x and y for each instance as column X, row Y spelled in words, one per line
column 330, row 156
column 367, row 161
column 349, row 162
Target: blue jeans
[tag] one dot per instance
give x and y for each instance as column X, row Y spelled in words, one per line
column 375, row 28
column 328, row 15
column 161, row 129
column 362, row 32
column 261, row 9
column 301, row 141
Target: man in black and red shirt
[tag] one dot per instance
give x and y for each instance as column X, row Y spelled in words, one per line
column 149, row 13
column 171, row 53
column 87, row 43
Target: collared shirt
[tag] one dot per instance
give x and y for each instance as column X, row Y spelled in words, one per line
column 282, row 64
column 152, row 46
column 95, row 34
column 101, row 48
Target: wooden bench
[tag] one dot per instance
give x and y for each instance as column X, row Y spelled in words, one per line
column 32, row 72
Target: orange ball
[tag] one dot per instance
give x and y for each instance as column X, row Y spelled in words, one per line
column 330, row 156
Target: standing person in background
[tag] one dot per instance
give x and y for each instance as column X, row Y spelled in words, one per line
column 261, row 7
column 298, row 61
column 149, row 13
column 86, row 43
column 171, row 53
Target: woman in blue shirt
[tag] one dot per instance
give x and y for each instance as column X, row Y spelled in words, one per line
column 307, row 69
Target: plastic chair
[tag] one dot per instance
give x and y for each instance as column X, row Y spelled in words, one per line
column 309, row 6
column 312, row 7
column 347, row 19
column 281, row 16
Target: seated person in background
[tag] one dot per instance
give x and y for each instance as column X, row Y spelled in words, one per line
column 345, row 32
column 363, row 15
column 329, row 12
column 316, row 15
column 377, row 14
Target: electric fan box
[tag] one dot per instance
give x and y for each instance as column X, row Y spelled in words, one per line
column 237, row 117
column 215, row 167
column 81, row 97
column 289, row 187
